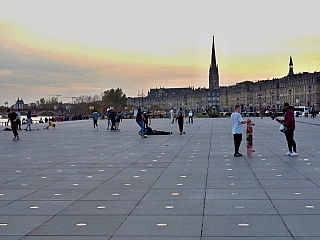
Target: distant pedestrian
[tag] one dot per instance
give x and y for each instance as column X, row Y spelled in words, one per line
column 237, row 122
column 172, row 115
column 19, row 119
column 118, row 120
column 289, row 127
column 28, row 121
column 113, row 115
column 13, row 118
column 95, row 117
column 180, row 119
column 108, row 117
column 190, row 116
column 140, row 121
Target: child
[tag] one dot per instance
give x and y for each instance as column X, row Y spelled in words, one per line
column 51, row 124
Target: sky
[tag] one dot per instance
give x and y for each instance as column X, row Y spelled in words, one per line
column 72, row 48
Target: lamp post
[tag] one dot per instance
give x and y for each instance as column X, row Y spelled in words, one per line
column 289, row 91
column 309, row 90
column 259, row 97
column 272, row 95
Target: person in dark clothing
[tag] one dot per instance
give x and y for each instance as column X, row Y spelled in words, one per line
column 290, row 125
column 147, row 119
column 150, row 131
column 112, row 116
column 13, row 118
column 140, row 121
column 180, row 119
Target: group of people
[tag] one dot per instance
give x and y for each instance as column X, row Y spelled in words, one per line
column 288, row 123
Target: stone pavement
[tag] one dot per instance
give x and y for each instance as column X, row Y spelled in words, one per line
column 76, row 183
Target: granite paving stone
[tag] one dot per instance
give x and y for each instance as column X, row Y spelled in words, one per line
column 79, row 183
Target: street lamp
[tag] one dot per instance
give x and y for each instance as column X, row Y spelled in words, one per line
column 272, row 95
column 289, row 91
column 309, row 90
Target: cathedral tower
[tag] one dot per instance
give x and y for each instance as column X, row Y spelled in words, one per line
column 213, row 72
column 290, row 67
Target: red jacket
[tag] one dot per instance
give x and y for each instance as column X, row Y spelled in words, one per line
column 289, row 120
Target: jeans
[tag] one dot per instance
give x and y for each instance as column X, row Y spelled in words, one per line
column 28, row 124
column 237, row 138
column 141, row 124
column 291, row 143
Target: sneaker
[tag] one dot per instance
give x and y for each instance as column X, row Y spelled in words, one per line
column 287, row 154
column 294, row 154
column 18, row 138
column 237, row 155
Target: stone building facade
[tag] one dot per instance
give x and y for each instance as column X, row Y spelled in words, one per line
column 297, row 89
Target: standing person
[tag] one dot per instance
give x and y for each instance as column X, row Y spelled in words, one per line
column 237, row 122
column 108, row 117
column 147, row 119
column 289, row 127
column 190, row 117
column 113, row 115
column 19, row 119
column 28, row 121
column 140, row 121
column 95, row 117
column 172, row 115
column 118, row 119
column 13, row 118
column 180, row 118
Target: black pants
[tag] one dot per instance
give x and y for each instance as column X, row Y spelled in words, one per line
column 190, row 119
column 237, row 138
column 291, row 143
column 180, row 123
column 95, row 123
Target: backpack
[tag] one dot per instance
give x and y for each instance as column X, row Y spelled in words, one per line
column 180, row 114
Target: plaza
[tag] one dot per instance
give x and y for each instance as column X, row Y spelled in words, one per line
column 77, row 183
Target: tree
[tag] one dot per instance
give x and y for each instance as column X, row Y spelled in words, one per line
column 114, row 98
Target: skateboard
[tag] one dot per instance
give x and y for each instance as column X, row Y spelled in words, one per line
column 142, row 135
column 249, row 132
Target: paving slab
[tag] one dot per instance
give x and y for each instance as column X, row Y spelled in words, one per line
column 79, row 183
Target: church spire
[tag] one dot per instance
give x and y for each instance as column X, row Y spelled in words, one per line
column 290, row 67
column 213, row 72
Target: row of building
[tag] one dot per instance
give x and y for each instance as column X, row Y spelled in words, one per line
column 297, row 89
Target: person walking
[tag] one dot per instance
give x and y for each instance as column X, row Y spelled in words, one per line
column 140, row 121
column 13, row 118
column 108, row 117
column 113, row 115
column 237, row 122
column 180, row 119
column 19, row 119
column 289, row 127
column 190, row 117
column 172, row 115
column 28, row 121
column 95, row 117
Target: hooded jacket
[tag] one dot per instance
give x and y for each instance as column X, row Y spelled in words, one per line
column 289, row 120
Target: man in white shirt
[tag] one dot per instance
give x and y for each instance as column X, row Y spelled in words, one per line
column 171, row 115
column 237, row 122
column 190, row 117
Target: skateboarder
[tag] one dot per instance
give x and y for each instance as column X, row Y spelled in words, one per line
column 13, row 118
column 237, row 122
column 140, row 121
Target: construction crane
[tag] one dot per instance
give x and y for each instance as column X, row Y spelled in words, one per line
column 71, row 99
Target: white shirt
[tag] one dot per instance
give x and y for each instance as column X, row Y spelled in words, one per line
column 190, row 114
column 236, row 119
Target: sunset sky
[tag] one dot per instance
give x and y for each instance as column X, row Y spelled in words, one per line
column 74, row 48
